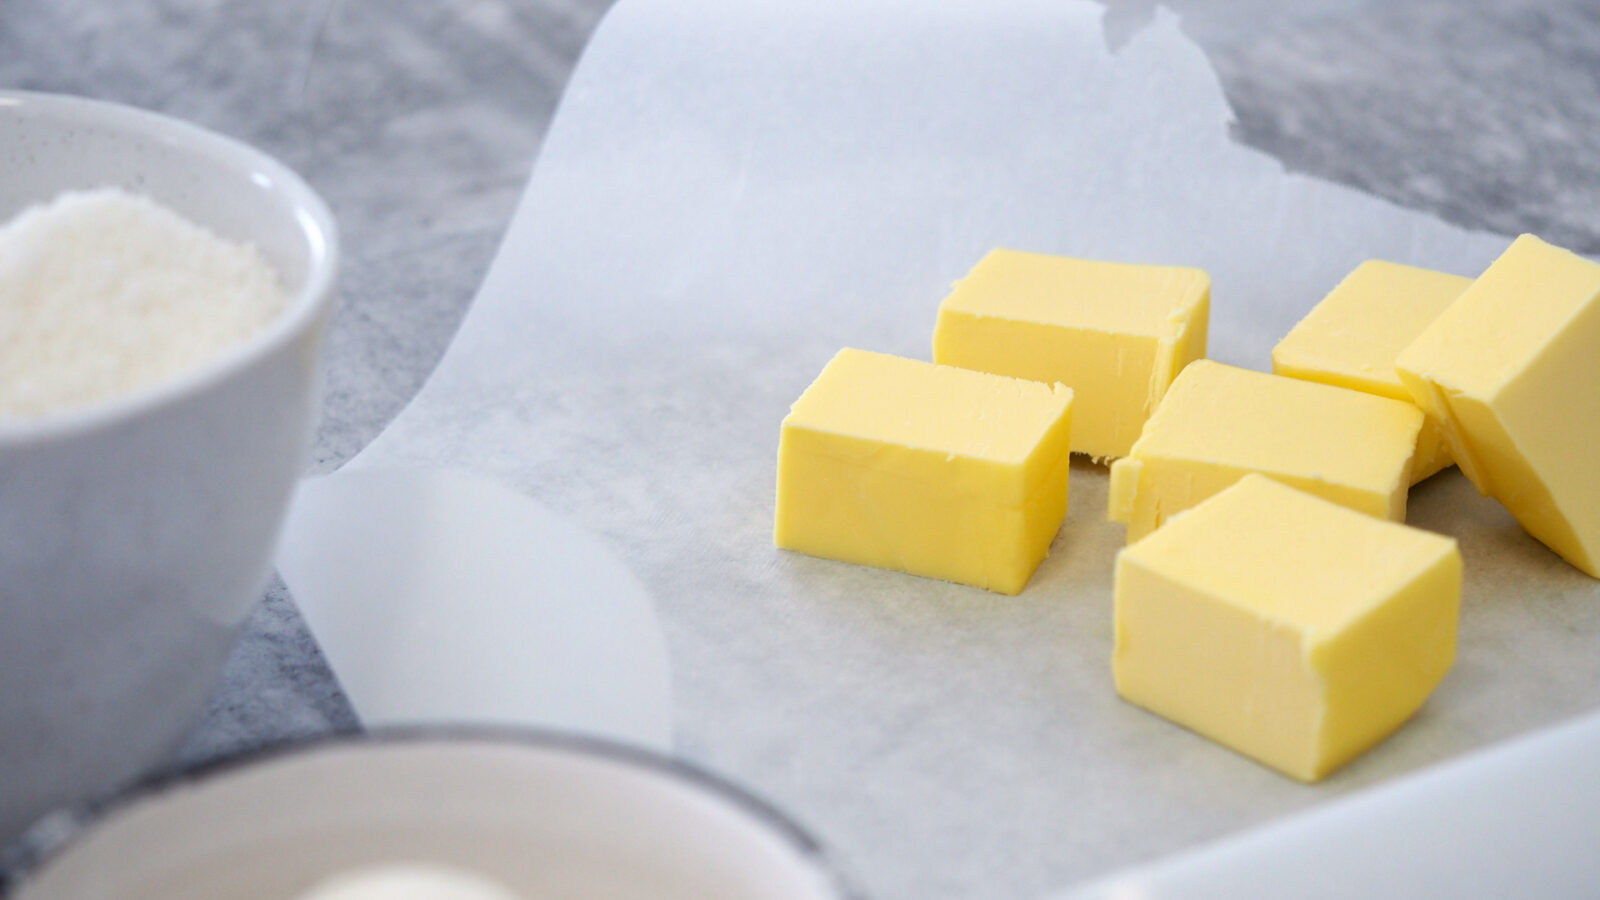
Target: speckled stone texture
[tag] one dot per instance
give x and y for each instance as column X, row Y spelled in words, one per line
column 419, row 121
column 1487, row 114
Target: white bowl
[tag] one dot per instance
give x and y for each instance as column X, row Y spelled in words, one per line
column 541, row 815
column 135, row 535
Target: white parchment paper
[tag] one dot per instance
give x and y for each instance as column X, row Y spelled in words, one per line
column 731, row 192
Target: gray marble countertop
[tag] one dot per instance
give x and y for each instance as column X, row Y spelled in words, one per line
column 419, row 123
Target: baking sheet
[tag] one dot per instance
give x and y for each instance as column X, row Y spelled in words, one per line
column 729, row 193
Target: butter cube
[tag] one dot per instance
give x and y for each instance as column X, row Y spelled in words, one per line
column 1117, row 334
column 1351, row 339
column 932, row 470
column 1285, row 627
column 1512, row 369
column 1218, row 424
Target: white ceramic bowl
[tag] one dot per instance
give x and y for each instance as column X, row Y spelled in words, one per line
column 541, row 815
column 135, row 535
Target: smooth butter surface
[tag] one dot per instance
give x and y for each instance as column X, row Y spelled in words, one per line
column 932, row 470
column 1219, row 423
column 1512, row 369
column 1352, row 337
column 1115, row 333
column 1288, row 628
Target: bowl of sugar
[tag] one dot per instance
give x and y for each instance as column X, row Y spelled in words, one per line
column 163, row 295
column 438, row 814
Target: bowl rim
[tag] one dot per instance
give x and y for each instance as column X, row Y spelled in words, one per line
column 55, row 833
column 312, row 214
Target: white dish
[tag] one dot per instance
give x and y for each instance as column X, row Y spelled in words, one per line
column 1515, row 820
column 544, row 816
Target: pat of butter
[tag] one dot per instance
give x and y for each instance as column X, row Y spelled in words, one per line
column 1512, row 369
column 1285, row 627
column 1352, row 337
column 1219, row 423
column 932, row 470
column 1117, row 334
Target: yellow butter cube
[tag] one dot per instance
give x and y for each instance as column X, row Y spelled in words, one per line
column 1352, row 337
column 932, row 470
column 1219, row 423
column 1290, row 629
column 1117, row 334
column 1512, row 369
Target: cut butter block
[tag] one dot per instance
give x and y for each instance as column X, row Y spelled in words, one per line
column 932, row 470
column 1117, row 334
column 1291, row 629
column 1218, row 424
column 1512, row 369
column 1352, row 337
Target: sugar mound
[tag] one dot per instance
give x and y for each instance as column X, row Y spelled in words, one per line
column 103, row 292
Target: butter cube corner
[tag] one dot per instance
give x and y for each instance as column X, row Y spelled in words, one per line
column 1292, row 630
column 1352, row 337
column 1511, row 369
column 1219, row 423
column 1116, row 333
column 926, row 469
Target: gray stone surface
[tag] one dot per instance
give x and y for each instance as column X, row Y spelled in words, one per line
column 1485, row 113
column 419, row 122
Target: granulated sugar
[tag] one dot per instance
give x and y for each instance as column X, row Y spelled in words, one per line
column 103, row 292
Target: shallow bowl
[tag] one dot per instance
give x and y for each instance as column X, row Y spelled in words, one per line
column 540, row 815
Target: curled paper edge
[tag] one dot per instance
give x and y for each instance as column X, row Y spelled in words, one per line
column 443, row 597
